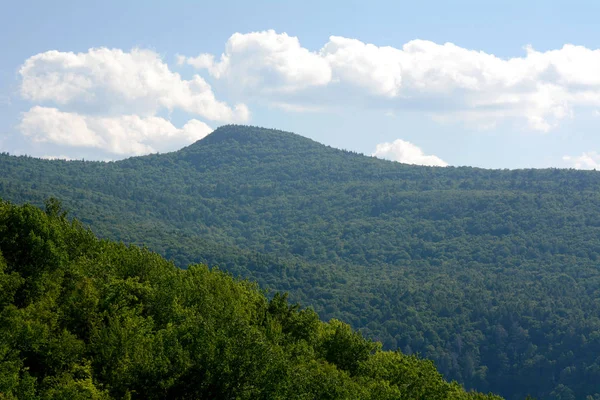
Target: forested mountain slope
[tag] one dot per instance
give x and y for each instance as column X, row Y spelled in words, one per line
column 493, row 274
column 82, row 318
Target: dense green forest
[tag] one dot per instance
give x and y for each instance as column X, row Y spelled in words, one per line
column 82, row 318
column 493, row 274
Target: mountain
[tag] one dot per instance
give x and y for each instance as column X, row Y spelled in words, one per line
column 90, row 319
column 493, row 274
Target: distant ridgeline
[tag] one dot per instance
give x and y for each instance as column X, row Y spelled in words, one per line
column 493, row 274
column 82, row 318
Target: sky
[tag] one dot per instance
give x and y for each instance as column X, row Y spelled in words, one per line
column 492, row 84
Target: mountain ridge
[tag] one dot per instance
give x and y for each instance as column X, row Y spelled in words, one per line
column 84, row 318
column 491, row 273
column 230, row 132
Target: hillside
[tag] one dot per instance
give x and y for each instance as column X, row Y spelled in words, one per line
column 90, row 319
column 492, row 274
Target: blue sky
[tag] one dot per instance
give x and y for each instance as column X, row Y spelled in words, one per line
column 496, row 84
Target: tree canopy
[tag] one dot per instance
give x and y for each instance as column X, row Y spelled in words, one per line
column 492, row 274
column 82, row 318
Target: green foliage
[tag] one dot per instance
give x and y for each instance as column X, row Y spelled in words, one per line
column 86, row 319
column 345, row 348
column 492, row 274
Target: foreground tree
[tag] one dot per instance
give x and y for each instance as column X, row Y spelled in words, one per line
column 82, row 318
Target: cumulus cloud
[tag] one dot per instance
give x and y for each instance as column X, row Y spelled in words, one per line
column 587, row 160
column 377, row 70
column 110, row 99
column 124, row 135
column 444, row 80
column 112, row 81
column 407, row 153
column 265, row 61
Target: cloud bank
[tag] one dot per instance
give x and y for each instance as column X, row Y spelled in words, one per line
column 109, row 99
column 116, row 82
column 444, row 80
column 122, row 135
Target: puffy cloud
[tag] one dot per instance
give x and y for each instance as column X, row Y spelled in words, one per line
column 266, row 61
column 111, row 81
column 123, row 135
column 51, row 125
column 109, row 100
column 587, row 160
column 374, row 69
column 444, row 80
column 407, row 153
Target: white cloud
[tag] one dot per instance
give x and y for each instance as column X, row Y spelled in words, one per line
column 587, row 160
column 51, row 125
column 445, row 81
column 407, row 153
column 109, row 100
column 374, row 69
column 266, row 61
column 123, row 135
column 111, row 81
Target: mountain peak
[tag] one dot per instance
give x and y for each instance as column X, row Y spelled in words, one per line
column 246, row 133
column 243, row 140
column 278, row 152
